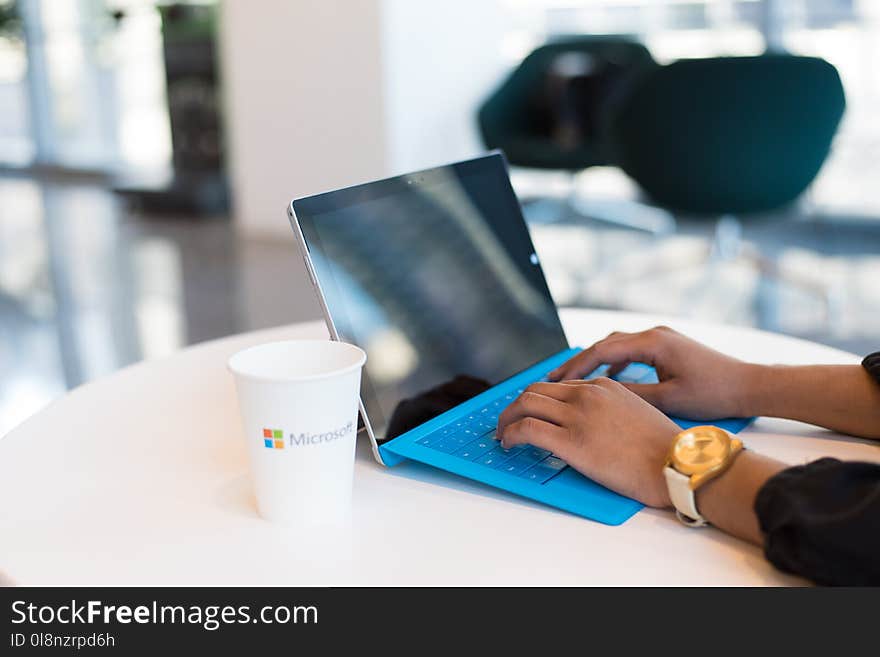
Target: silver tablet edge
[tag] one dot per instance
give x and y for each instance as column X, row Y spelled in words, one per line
column 328, row 320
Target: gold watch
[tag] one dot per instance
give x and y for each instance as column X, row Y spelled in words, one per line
column 697, row 455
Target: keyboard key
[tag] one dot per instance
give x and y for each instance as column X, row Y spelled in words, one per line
column 544, row 470
column 536, row 453
column 532, row 475
column 516, row 449
column 447, row 444
column 634, row 373
column 430, row 439
column 462, row 438
column 650, row 376
column 493, row 458
column 483, row 426
column 474, row 449
column 515, row 466
column 521, row 459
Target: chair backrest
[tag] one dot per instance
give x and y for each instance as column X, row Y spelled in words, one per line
column 731, row 134
column 508, row 114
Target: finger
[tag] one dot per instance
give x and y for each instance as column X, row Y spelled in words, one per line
column 578, row 365
column 617, row 368
column 563, row 370
column 531, row 404
column 613, row 351
column 532, row 431
column 656, row 394
column 554, row 390
column 587, row 360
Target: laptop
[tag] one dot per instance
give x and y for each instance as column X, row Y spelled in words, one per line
column 434, row 275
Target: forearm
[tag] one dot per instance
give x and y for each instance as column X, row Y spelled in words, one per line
column 728, row 502
column 843, row 398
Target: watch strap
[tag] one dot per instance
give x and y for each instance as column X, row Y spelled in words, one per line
column 683, row 498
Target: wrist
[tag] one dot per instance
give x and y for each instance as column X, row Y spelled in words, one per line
column 661, row 499
column 728, row 501
column 755, row 386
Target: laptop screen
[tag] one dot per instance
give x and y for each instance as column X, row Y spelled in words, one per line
column 434, row 275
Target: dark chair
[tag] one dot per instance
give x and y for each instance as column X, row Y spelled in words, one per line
column 731, row 136
column 573, row 80
column 554, row 109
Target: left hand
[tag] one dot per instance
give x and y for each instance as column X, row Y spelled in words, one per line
column 599, row 428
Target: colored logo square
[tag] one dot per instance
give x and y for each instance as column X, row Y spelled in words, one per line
column 268, row 443
column 279, row 444
column 267, row 433
column 278, row 433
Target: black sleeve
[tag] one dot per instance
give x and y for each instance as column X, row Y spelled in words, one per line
column 822, row 521
column 872, row 364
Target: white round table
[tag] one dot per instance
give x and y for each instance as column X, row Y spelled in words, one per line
column 141, row 478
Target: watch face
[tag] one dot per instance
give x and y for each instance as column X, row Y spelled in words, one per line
column 700, row 449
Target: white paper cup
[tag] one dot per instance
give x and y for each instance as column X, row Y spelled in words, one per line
column 299, row 406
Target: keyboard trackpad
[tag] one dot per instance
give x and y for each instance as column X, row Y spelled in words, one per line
column 573, row 481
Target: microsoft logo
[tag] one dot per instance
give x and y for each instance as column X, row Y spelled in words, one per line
column 273, row 438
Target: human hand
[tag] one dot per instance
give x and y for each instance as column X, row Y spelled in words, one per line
column 599, row 428
column 695, row 381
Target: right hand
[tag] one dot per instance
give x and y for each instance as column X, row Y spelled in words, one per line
column 696, row 382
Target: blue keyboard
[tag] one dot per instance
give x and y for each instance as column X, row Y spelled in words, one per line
column 472, row 437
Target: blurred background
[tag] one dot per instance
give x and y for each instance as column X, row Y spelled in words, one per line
column 148, row 151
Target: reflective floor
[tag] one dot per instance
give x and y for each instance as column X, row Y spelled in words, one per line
column 88, row 286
